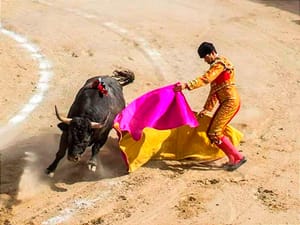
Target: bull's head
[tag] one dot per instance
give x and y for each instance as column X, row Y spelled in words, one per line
column 79, row 132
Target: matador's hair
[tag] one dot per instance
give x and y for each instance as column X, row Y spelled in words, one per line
column 206, row 48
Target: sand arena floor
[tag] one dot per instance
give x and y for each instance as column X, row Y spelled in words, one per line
column 49, row 48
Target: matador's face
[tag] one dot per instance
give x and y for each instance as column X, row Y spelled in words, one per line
column 210, row 58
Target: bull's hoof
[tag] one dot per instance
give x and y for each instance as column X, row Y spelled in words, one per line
column 92, row 166
column 49, row 173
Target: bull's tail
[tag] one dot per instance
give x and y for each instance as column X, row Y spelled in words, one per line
column 124, row 77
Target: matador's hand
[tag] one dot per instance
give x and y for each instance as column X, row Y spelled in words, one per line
column 202, row 112
column 180, row 86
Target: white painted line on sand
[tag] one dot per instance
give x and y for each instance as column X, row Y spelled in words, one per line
column 80, row 204
column 45, row 73
column 152, row 54
column 142, row 44
column 67, row 213
column 44, row 2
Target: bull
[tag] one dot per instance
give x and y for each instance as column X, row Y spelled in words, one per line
column 91, row 117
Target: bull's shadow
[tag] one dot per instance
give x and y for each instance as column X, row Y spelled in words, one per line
column 26, row 161
column 110, row 165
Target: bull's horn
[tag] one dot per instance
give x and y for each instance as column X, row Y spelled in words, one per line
column 62, row 119
column 97, row 125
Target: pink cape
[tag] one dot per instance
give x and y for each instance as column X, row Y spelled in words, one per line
column 161, row 109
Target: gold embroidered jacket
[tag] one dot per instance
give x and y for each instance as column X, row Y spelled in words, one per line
column 221, row 78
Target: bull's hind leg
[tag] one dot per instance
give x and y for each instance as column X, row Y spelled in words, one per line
column 59, row 155
column 92, row 164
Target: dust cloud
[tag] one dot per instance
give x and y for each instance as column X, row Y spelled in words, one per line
column 30, row 182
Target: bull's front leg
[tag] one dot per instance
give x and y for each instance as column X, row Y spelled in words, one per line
column 59, row 155
column 92, row 164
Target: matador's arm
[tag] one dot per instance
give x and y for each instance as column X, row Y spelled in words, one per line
column 214, row 71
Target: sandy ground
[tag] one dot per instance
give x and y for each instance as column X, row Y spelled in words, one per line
column 158, row 41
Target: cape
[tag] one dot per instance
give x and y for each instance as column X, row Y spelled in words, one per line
column 179, row 143
column 161, row 109
column 161, row 125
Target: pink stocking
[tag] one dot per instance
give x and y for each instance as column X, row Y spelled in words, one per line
column 232, row 153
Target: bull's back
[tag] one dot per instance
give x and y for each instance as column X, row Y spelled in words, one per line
column 92, row 104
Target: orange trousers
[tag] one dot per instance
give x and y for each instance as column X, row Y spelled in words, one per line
column 223, row 115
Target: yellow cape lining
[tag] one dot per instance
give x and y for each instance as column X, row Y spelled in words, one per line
column 174, row 144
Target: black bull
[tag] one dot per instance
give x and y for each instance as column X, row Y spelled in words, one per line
column 90, row 118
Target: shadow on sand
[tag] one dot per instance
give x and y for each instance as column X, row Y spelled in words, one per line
column 32, row 156
column 182, row 165
column 292, row 6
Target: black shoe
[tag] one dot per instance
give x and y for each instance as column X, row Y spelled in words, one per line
column 235, row 166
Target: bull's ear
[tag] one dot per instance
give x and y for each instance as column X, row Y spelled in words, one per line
column 63, row 126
